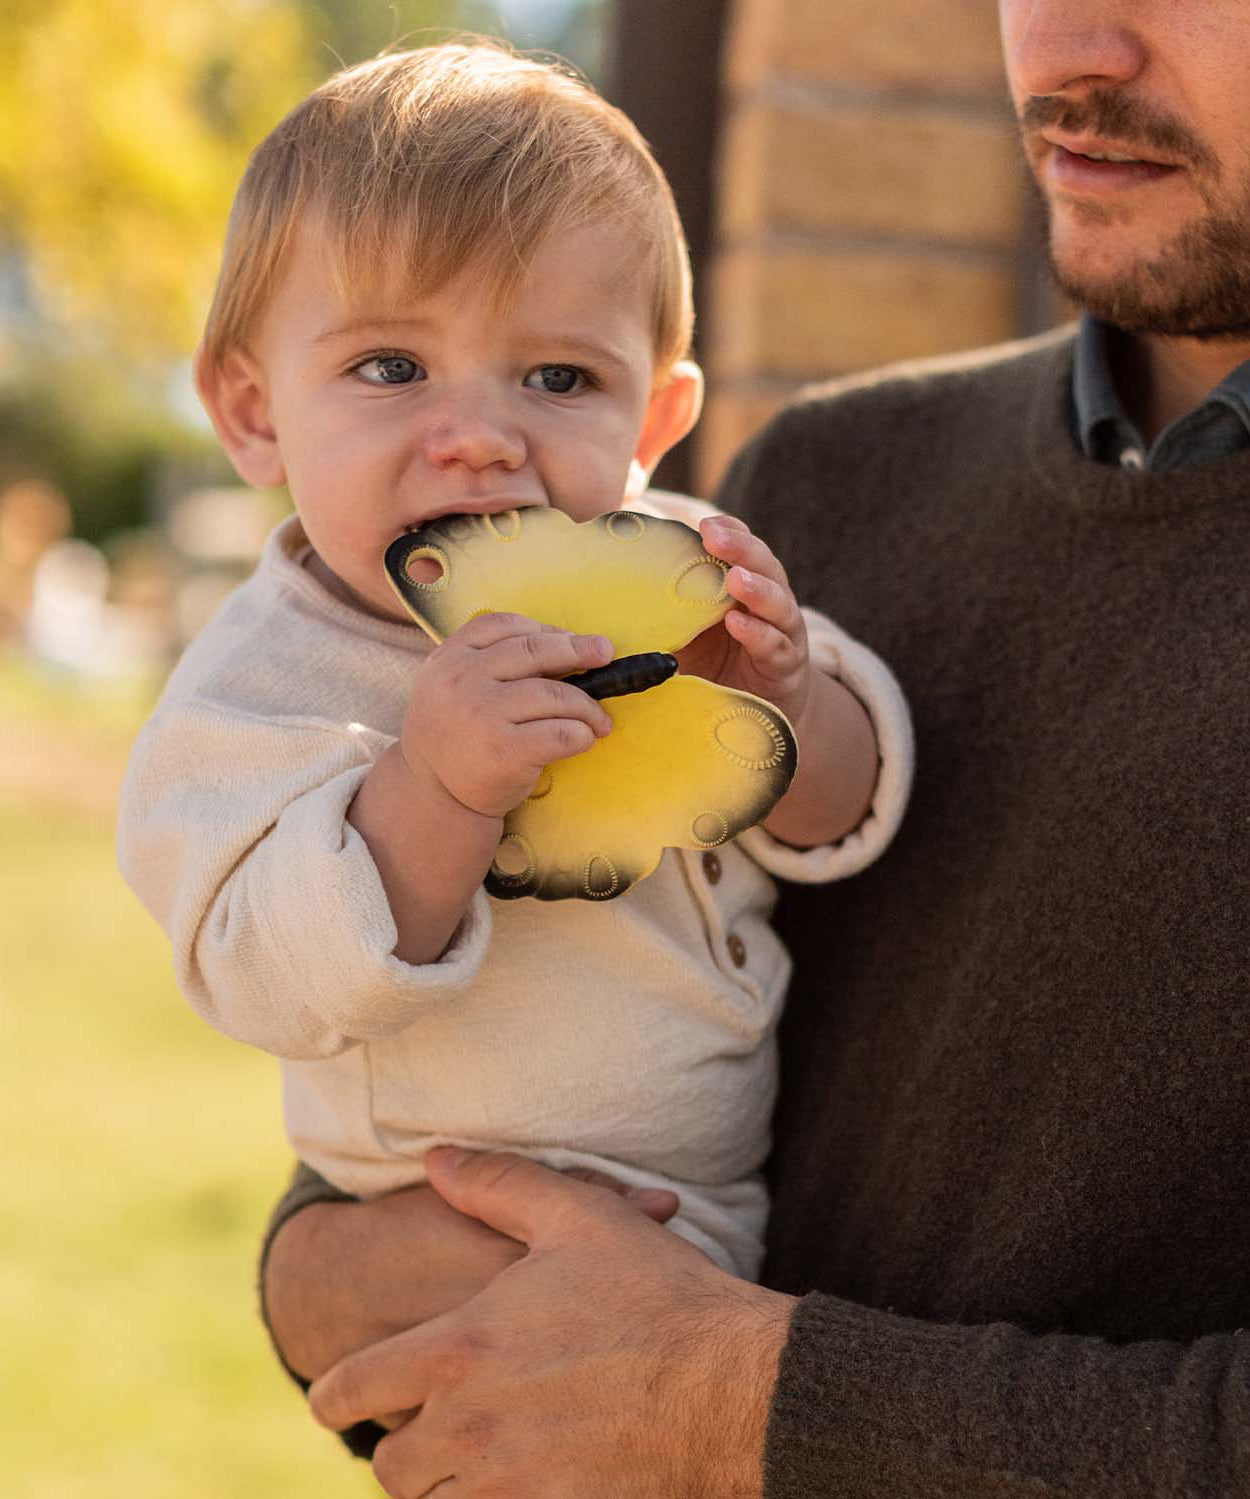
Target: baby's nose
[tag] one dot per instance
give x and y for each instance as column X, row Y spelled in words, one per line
column 475, row 435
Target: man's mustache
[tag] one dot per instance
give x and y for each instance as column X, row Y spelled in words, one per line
column 1120, row 117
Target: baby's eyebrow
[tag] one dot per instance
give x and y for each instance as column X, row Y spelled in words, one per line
column 360, row 326
column 555, row 343
column 594, row 352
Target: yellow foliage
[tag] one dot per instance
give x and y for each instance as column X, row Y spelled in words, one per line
column 124, row 128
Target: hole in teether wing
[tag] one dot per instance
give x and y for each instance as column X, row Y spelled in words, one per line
column 426, row 567
column 514, row 859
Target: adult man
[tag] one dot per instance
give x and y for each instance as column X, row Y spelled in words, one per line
column 1011, row 1155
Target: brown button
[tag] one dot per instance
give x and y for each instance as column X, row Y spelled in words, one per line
column 737, row 949
column 711, row 868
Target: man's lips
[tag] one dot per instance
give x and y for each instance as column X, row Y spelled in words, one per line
column 1086, row 165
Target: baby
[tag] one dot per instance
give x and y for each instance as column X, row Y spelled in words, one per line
column 454, row 281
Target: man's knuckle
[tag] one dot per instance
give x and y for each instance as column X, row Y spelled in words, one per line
column 475, row 1429
column 459, row 1354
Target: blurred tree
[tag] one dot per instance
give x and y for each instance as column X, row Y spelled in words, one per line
column 124, row 128
column 124, row 125
column 348, row 31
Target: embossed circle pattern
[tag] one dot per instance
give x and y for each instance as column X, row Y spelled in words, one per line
column 709, row 829
column 624, row 525
column 506, row 526
column 701, row 581
column 542, row 786
column 600, row 881
column 749, row 738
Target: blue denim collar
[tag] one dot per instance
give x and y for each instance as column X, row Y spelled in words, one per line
column 1216, row 428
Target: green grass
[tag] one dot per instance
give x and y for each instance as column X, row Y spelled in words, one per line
column 141, row 1153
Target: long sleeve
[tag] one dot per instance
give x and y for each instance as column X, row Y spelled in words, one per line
column 880, row 1406
column 1010, row 1171
column 281, row 932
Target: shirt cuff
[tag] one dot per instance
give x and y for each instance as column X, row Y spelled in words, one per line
column 359, row 987
column 862, row 673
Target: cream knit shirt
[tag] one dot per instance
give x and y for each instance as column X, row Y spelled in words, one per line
column 635, row 1036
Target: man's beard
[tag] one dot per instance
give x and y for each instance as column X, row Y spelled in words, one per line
column 1198, row 285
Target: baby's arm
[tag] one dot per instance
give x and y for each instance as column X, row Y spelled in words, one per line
column 762, row 648
column 237, row 830
column 485, row 715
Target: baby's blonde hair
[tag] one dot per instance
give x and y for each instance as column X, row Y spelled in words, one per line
column 420, row 163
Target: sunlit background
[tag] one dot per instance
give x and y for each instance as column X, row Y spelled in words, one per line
column 141, row 1151
column 850, row 181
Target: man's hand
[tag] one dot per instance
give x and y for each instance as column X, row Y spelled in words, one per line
column 613, row 1361
column 342, row 1275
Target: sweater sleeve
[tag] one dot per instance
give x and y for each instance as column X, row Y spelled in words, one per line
column 234, row 834
column 876, row 1405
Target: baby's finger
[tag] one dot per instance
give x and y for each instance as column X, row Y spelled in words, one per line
column 772, row 651
column 532, row 699
column 729, row 540
column 545, row 652
column 543, row 740
column 768, row 600
column 485, row 630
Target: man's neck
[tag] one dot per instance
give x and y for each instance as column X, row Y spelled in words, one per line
column 1159, row 379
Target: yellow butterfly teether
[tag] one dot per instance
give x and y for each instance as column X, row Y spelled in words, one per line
column 688, row 764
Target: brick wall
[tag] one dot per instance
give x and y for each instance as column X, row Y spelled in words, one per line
column 871, row 200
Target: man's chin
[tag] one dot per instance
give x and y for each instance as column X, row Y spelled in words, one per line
column 1195, row 286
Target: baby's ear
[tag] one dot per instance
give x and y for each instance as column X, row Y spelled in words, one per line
column 236, row 398
column 671, row 412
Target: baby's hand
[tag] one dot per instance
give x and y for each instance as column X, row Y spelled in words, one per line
column 760, row 647
column 487, row 710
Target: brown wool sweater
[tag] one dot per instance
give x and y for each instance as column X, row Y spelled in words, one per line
column 1012, row 1157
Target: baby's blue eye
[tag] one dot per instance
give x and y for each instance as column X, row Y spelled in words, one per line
column 389, row 369
column 555, row 379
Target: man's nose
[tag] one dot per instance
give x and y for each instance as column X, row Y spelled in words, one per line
column 1058, row 46
column 474, row 431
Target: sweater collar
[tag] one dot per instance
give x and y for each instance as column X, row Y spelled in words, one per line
column 1078, row 482
column 282, row 565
